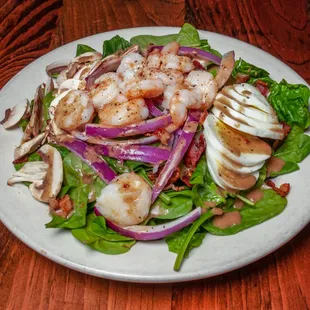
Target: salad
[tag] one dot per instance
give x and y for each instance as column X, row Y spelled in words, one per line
column 159, row 137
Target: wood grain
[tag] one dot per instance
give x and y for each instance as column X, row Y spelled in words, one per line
column 29, row 29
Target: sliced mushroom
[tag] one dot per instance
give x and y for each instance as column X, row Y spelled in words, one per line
column 51, row 185
column 29, row 146
column 35, row 123
column 49, row 85
column 30, row 172
column 87, row 57
column 56, row 67
column 61, row 77
column 71, row 84
column 14, row 115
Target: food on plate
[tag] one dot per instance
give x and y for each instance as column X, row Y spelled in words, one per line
column 159, row 138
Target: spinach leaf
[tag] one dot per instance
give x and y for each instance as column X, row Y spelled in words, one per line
column 24, row 122
column 80, row 183
column 31, row 157
column 205, row 190
column 180, row 204
column 61, row 149
column 112, row 248
column 176, row 240
column 98, row 227
column 262, row 176
column 113, row 45
column 295, row 149
column 200, row 171
column 269, row 206
column 254, row 73
column 96, row 235
column 82, row 48
column 79, row 197
column 46, row 104
column 189, row 237
column 145, row 40
column 188, row 36
column 290, row 102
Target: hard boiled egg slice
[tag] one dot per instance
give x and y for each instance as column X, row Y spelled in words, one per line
column 244, row 108
column 229, row 179
column 246, row 124
column 230, row 164
column 239, row 147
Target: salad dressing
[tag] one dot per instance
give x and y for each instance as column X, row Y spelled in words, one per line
column 239, row 204
column 274, row 164
column 255, row 195
column 227, row 220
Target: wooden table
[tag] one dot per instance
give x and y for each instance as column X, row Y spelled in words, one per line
column 29, row 29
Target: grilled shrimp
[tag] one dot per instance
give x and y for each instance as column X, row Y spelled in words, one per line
column 105, row 89
column 131, row 67
column 120, row 113
column 142, row 88
column 126, row 200
column 198, row 92
column 73, row 110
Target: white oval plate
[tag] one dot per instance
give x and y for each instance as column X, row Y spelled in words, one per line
column 146, row 261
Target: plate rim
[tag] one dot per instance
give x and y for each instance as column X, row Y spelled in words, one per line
column 178, row 276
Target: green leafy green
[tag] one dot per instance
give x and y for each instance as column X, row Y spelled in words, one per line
column 269, row 206
column 31, row 157
column 295, row 149
column 79, row 197
column 99, row 228
column 145, row 40
column 254, row 73
column 113, row 45
column 290, row 102
column 83, row 183
column 82, row 48
column 189, row 236
column 262, row 176
column 200, row 171
column 61, row 149
column 180, row 204
column 96, row 235
column 204, row 190
column 24, row 122
column 46, row 104
column 176, row 240
column 188, row 36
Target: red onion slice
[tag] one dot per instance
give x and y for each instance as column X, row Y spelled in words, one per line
column 104, row 141
column 88, row 155
column 143, row 153
column 185, row 51
column 226, row 68
column 185, row 138
column 130, row 130
column 153, row 109
column 144, row 233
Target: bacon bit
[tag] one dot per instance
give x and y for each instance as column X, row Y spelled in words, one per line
column 186, row 176
column 277, row 143
column 177, row 188
column 175, row 176
column 247, row 141
column 262, row 87
column 198, row 65
column 241, row 78
column 283, row 190
column 61, row 207
column 162, row 135
column 194, row 152
column 20, row 160
column 203, row 116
